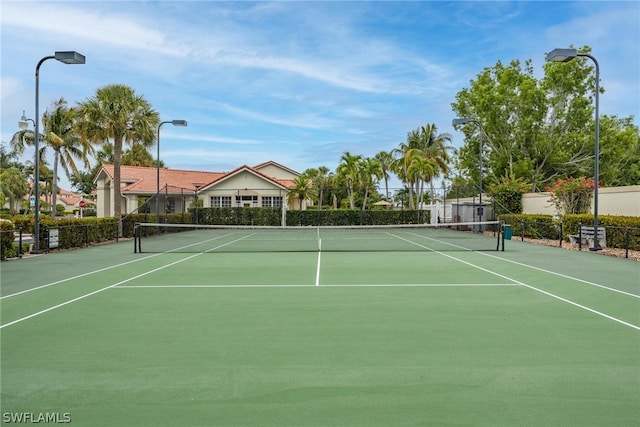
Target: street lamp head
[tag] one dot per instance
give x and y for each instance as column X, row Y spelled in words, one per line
column 24, row 121
column 561, row 55
column 461, row 121
column 179, row 122
column 70, row 57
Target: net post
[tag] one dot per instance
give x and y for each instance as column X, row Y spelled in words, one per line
column 136, row 238
column 501, row 236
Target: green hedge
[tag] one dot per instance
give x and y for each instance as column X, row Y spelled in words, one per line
column 6, row 240
column 619, row 228
column 532, row 226
column 351, row 217
column 273, row 217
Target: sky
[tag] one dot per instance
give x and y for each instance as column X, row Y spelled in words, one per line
column 299, row 82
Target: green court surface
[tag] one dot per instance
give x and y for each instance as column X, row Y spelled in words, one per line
column 533, row 335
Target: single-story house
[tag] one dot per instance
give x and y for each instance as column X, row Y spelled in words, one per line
column 263, row 185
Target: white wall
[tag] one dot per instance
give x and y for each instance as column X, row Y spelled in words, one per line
column 624, row 201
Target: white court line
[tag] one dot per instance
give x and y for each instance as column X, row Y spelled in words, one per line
column 615, row 319
column 101, row 270
column 344, row 285
column 563, row 275
column 114, row 285
column 76, row 277
column 535, row 268
column 318, row 266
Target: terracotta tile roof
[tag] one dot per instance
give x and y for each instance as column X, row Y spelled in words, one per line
column 139, row 179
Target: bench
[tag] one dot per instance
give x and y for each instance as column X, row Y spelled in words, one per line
column 587, row 236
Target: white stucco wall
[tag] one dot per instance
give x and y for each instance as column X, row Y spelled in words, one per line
column 624, row 201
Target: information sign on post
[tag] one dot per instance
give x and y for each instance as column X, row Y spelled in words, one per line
column 53, row 238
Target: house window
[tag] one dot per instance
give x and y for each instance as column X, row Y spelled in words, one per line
column 220, row 201
column 271, row 201
column 171, row 205
column 246, row 201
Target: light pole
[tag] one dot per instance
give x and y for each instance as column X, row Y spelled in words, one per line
column 464, row 121
column 66, row 57
column 175, row 123
column 566, row 55
column 24, row 125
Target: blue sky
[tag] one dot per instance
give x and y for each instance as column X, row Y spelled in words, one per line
column 299, row 83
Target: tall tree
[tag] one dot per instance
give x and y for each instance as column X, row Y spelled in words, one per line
column 540, row 130
column 62, row 137
column 370, row 174
column 385, row 158
column 13, row 186
column 117, row 114
column 402, row 164
column 349, row 170
column 320, row 180
column 59, row 135
column 430, row 151
column 433, row 153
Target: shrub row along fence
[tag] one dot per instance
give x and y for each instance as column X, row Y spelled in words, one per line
column 621, row 232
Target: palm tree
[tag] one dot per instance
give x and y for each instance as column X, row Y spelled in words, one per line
column 117, row 114
column 62, row 137
column 13, row 185
column 432, row 146
column 59, row 135
column 302, row 190
column 139, row 155
column 320, row 178
column 349, row 170
column 385, row 158
column 370, row 173
column 422, row 169
column 402, row 164
column 422, row 143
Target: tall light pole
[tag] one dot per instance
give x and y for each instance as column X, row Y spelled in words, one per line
column 24, row 125
column 464, row 121
column 66, row 57
column 566, row 55
column 175, row 123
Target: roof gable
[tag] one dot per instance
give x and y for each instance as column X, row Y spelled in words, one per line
column 244, row 168
column 272, row 168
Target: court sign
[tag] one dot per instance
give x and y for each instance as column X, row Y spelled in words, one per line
column 53, row 238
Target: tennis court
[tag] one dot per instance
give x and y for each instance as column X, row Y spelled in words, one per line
column 378, row 327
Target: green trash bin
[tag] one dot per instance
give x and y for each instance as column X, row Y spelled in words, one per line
column 508, row 231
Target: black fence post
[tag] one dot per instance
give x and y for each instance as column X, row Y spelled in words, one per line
column 20, row 242
column 626, row 242
column 560, row 237
column 580, row 236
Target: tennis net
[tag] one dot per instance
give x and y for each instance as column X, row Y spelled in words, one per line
column 191, row 238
